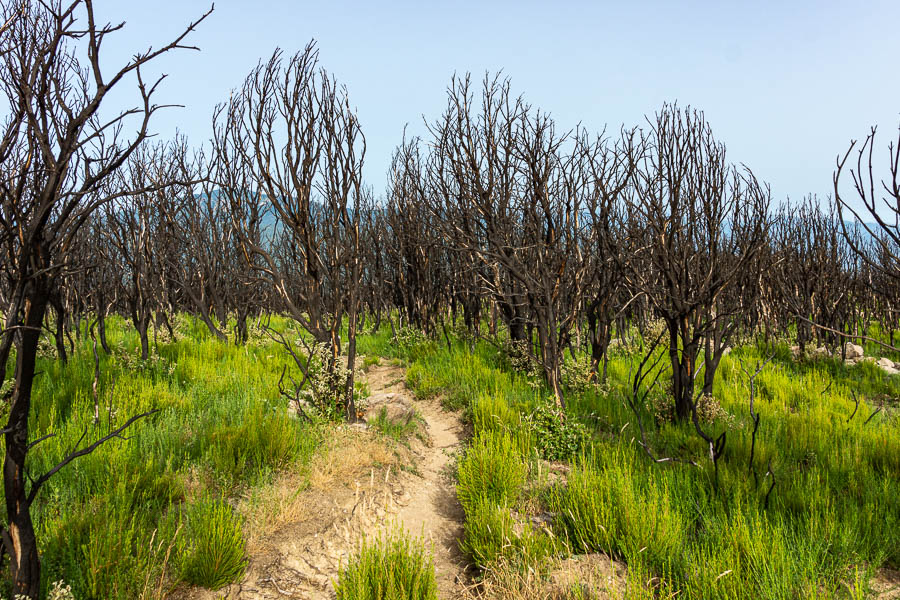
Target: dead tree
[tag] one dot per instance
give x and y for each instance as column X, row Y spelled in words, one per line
column 701, row 222
column 56, row 151
column 414, row 252
column 603, row 175
column 873, row 234
column 472, row 179
column 879, row 216
column 733, row 312
column 200, row 229
column 289, row 154
column 815, row 272
column 134, row 228
column 509, row 197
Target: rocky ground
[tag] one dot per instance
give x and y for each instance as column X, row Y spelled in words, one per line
column 853, row 354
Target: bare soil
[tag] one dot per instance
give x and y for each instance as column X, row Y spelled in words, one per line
column 432, row 509
column 359, row 486
column 886, row 584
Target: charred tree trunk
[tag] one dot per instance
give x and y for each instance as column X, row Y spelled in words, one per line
column 600, row 334
column 709, row 373
column 19, row 538
column 550, row 357
column 240, row 327
column 682, row 361
column 163, row 317
column 218, row 333
column 101, row 329
column 59, row 334
column 143, row 326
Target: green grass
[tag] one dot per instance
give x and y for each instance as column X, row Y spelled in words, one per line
column 115, row 523
column 491, row 472
column 833, row 516
column 211, row 554
column 399, row 430
column 107, row 522
column 391, row 566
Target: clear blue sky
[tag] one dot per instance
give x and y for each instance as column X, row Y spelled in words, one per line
column 785, row 85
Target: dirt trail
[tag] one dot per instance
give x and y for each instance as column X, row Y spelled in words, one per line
column 352, row 495
column 433, row 510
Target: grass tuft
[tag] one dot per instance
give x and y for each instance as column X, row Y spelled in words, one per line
column 389, row 567
column 492, row 471
column 211, row 553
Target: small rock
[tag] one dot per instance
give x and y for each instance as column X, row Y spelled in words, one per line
column 394, row 413
column 885, row 363
column 853, row 351
column 726, row 351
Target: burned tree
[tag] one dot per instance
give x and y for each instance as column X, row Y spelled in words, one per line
column 603, row 174
column 880, row 205
column 56, row 151
column 472, row 184
column 506, row 197
column 289, row 154
column 133, row 228
column 700, row 222
column 201, row 269
column 734, row 313
column 815, row 272
column 413, row 247
column 874, row 233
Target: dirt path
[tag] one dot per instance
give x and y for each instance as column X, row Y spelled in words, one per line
column 297, row 551
column 432, row 510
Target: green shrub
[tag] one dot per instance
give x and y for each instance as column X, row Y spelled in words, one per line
column 60, row 591
column 409, row 342
column 555, row 436
column 578, row 376
column 103, row 550
column 423, row 381
column 492, row 470
column 491, row 412
column 211, row 551
column 491, row 535
column 390, row 567
column 262, row 441
column 488, row 530
column 609, row 509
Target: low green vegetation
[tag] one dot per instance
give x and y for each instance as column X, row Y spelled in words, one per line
column 399, row 429
column 211, row 553
column 814, row 516
column 391, row 566
column 143, row 512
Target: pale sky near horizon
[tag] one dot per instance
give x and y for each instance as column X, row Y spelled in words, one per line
column 785, row 85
